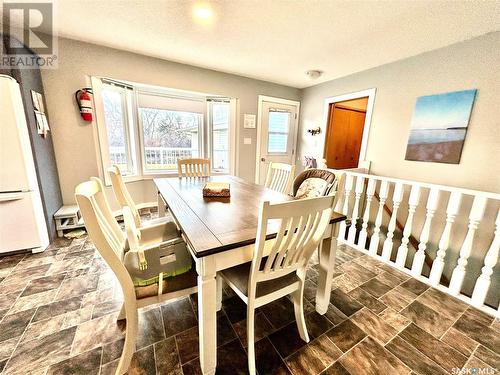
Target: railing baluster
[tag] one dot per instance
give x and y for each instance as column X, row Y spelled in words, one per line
column 397, row 197
column 375, row 239
column 475, row 216
column 490, row 260
column 360, row 184
column 370, row 191
column 444, row 242
column 419, row 258
column 412, row 206
column 345, row 208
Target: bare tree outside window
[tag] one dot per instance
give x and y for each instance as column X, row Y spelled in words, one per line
column 169, row 136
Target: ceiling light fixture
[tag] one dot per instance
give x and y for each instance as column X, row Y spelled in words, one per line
column 202, row 12
column 314, row 74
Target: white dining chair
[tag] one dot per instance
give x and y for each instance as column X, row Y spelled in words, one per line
column 302, row 224
column 141, row 286
column 313, row 183
column 125, row 200
column 280, row 177
column 194, row 167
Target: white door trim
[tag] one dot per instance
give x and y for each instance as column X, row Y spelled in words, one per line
column 368, row 119
column 272, row 99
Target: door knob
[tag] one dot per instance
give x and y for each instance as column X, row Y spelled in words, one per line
column 262, row 159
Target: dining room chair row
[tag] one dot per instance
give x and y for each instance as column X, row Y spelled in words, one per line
column 280, row 177
column 153, row 265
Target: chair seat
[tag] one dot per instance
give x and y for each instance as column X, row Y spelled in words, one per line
column 170, row 284
column 239, row 275
column 161, row 231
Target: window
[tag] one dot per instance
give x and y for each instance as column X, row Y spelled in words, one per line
column 278, row 132
column 169, row 136
column 145, row 130
column 219, row 128
column 120, row 137
column 172, row 128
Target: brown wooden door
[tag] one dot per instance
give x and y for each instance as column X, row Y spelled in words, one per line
column 344, row 135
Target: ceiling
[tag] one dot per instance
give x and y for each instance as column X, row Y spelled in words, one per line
column 278, row 40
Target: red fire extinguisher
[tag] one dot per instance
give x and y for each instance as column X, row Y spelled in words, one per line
column 84, row 101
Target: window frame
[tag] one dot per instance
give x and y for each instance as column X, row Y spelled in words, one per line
column 101, row 134
column 135, row 127
column 288, row 141
column 162, row 172
column 210, row 139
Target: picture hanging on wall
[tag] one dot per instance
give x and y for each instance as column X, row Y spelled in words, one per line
column 438, row 127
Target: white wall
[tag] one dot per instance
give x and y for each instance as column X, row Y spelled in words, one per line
column 468, row 65
column 73, row 138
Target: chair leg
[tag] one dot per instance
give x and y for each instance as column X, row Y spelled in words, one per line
column 130, row 338
column 298, row 306
column 122, row 315
column 251, row 339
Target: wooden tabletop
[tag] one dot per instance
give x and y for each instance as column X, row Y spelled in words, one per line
column 213, row 225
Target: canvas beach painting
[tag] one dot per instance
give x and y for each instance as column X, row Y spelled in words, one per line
column 439, row 125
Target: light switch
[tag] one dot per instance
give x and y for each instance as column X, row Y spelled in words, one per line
column 247, row 141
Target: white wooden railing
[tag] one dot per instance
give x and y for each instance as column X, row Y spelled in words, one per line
column 155, row 156
column 451, row 226
column 166, row 157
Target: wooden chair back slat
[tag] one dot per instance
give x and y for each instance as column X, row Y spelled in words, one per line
column 301, row 228
column 280, row 177
column 194, row 167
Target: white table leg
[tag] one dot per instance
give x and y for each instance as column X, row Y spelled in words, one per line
column 161, row 206
column 207, row 314
column 327, row 254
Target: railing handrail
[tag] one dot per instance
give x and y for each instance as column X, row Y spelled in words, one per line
column 486, row 194
column 360, row 189
column 122, row 149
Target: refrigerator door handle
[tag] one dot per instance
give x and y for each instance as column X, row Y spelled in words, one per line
column 7, row 197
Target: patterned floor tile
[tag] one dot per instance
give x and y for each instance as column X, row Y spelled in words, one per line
column 438, row 351
column 314, row 358
column 369, row 357
column 87, row 363
column 58, row 314
column 267, row 359
column 178, row 316
column 426, row 318
column 167, row 359
column 344, row 302
column 374, row 326
column 36, row 354
column 346, row 335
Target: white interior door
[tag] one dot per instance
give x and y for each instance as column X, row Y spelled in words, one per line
column 278, row 136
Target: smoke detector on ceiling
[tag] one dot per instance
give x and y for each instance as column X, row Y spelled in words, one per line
column 314, row 74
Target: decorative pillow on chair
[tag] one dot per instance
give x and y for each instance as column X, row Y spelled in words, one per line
column 311, row 188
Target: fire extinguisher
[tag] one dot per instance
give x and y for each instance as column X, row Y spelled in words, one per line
column 84, row 101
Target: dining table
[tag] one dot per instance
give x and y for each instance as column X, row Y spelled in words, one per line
column 220, row 233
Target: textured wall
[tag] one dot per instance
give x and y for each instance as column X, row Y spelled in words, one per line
column 467, row 65
column 74, row 140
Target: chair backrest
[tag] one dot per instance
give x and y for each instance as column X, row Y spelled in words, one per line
column 194, row 167
column 313, row 173
column 122, row 194
column 301, row 225
column 280, row 177
column 103, row 229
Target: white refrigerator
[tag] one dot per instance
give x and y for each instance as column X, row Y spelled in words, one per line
column 22, row 221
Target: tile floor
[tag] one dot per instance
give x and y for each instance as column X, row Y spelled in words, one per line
column 58, row 316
